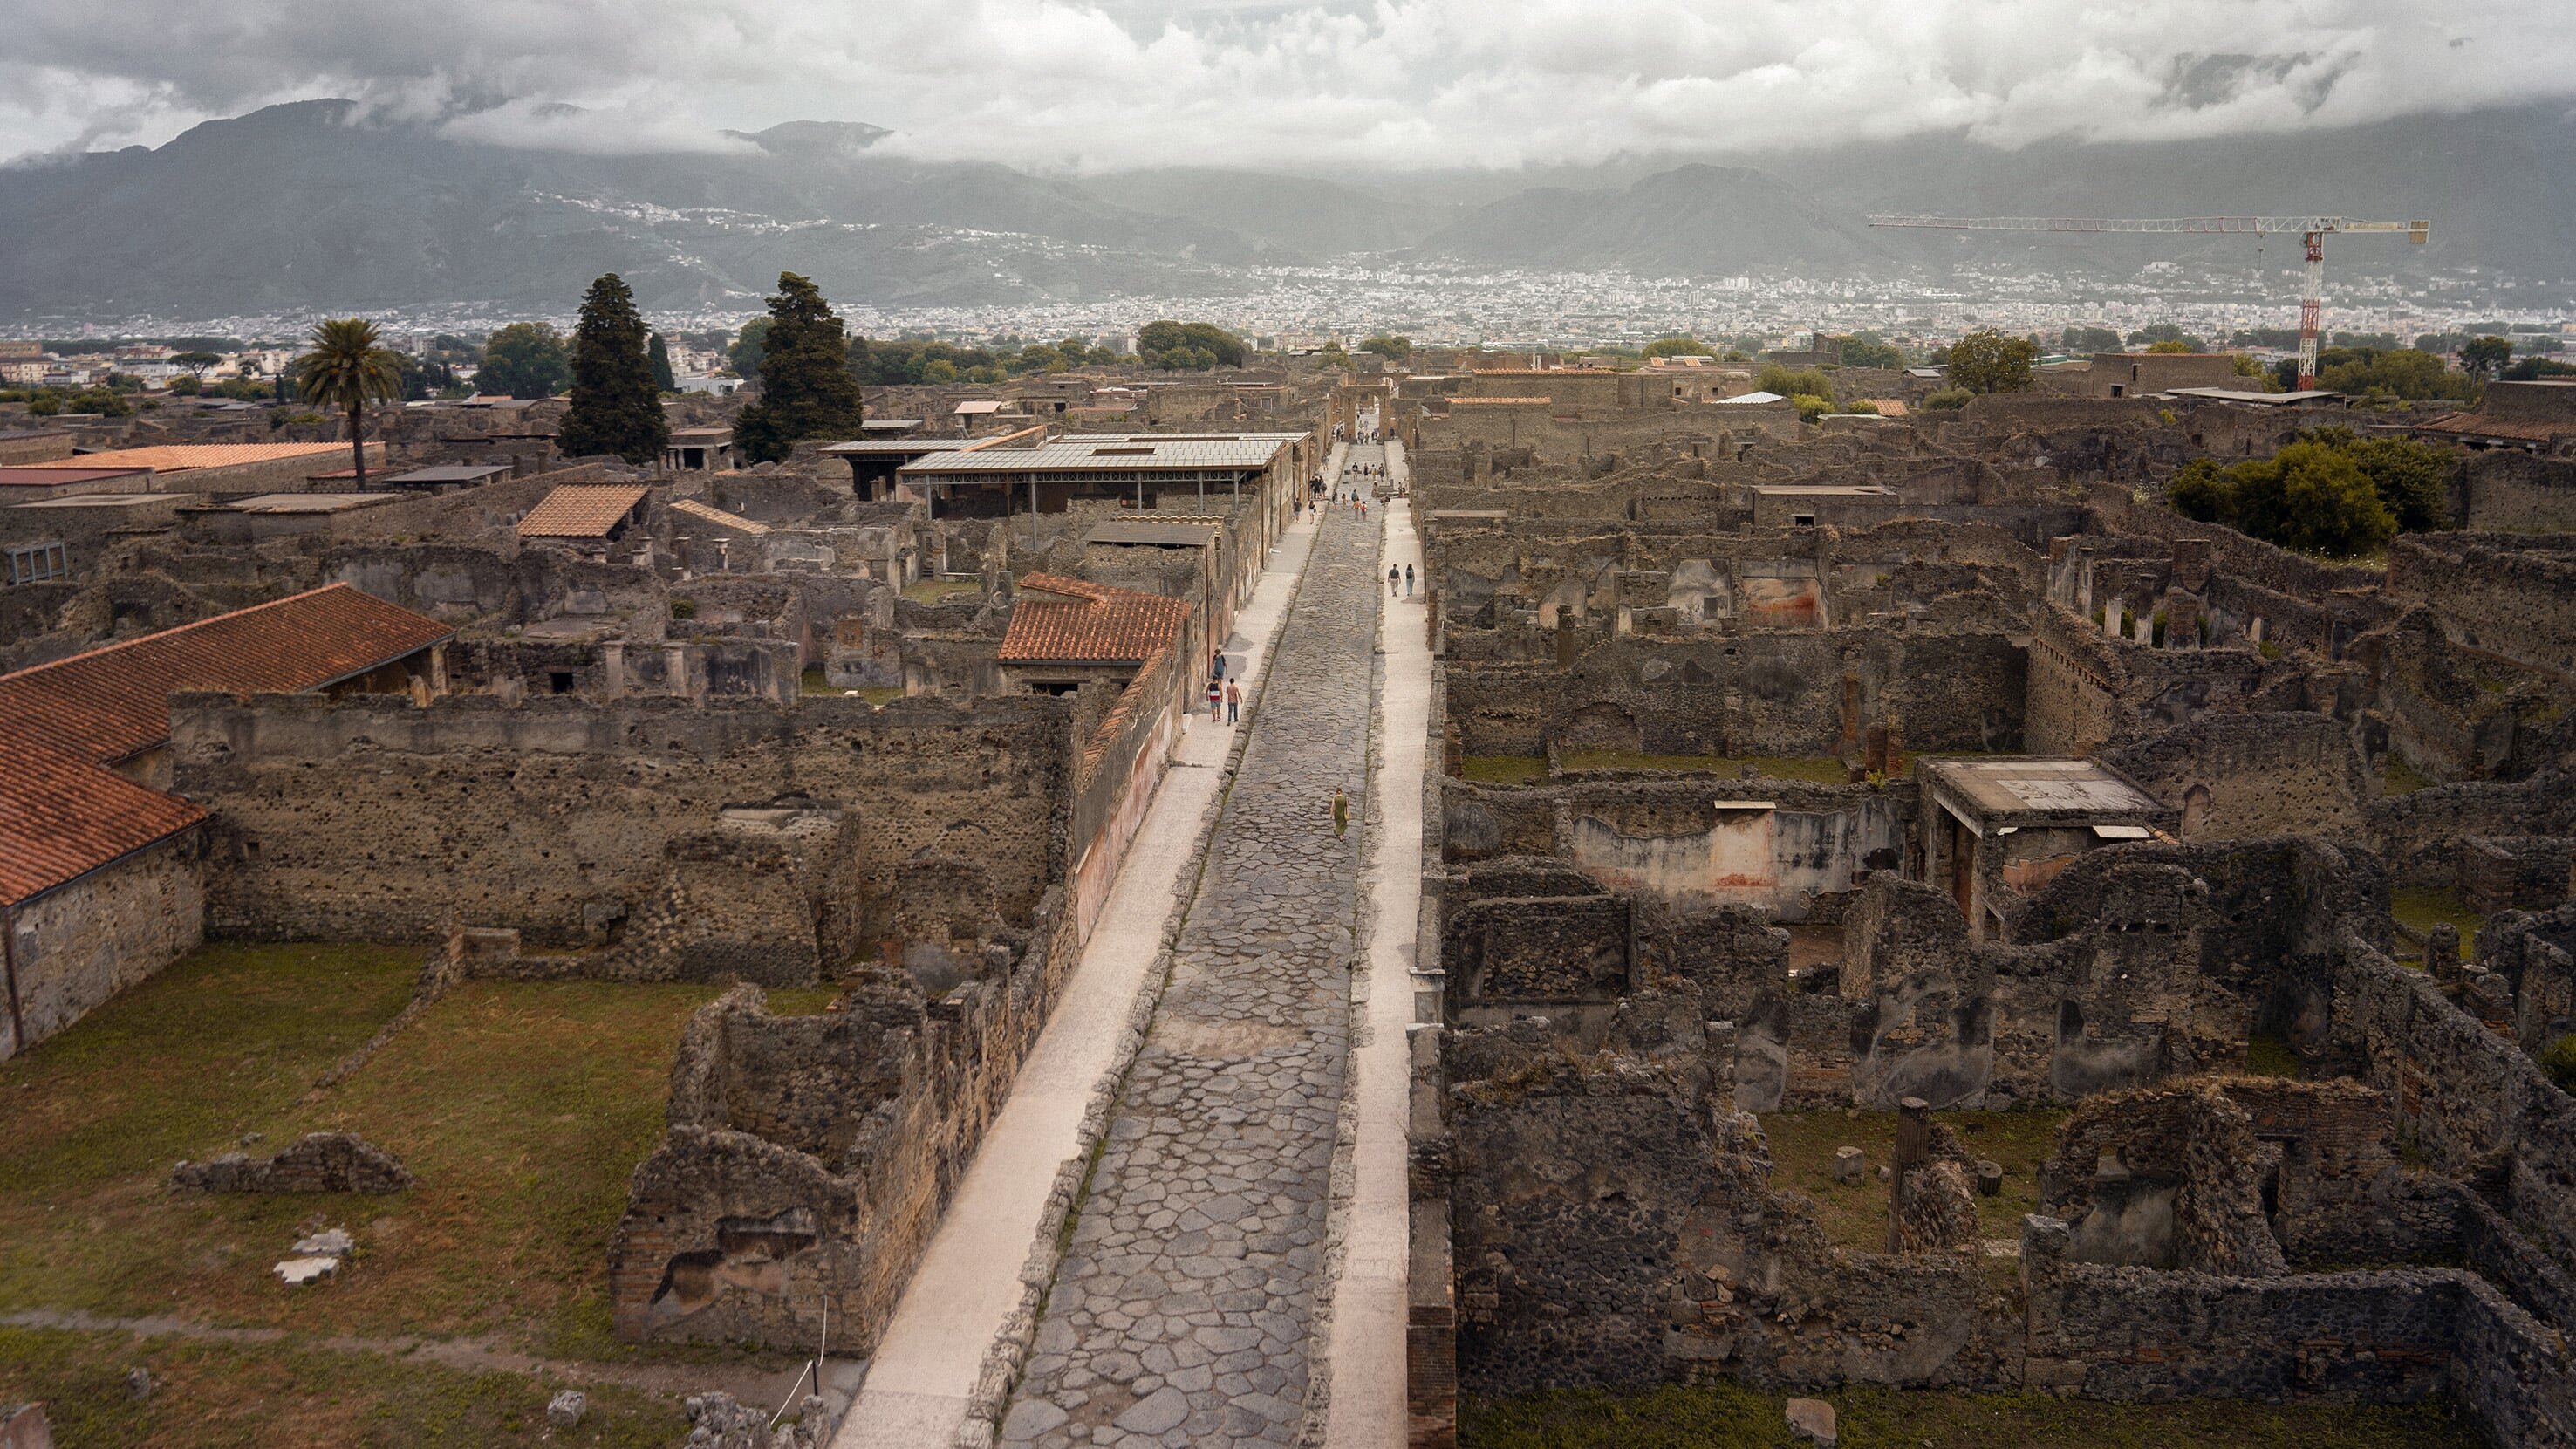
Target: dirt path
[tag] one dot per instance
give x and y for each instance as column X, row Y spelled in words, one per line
column 750, row 1383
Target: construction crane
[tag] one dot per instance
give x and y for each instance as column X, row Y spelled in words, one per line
column 2311, row 307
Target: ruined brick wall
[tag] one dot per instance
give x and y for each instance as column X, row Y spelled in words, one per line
column 2508, row 594
column 1757, row 694
column 2509, row 491
column 2467, row 1096
column 369, row 819
column 2250, row 776
column 809, row 1158
column 83, row 942
column 2394, row 1337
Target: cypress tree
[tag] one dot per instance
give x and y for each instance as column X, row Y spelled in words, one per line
column 659, row 354
column 806, row 390
column 615, row 407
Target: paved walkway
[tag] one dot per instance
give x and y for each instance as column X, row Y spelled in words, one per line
column 946, row 1355
column 1366, row 1360
column 1185, row 1307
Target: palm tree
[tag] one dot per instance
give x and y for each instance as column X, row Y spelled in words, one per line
column 349, row 367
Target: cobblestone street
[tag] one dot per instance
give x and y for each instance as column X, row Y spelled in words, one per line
column 1184, row 1310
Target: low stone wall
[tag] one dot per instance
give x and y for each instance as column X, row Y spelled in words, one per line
column 809, row 1158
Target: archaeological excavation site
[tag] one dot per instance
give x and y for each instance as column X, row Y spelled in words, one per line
column 1487, row 901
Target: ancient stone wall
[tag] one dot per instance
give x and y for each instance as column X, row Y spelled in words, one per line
column 809, row 1158
column 2250, row 776
column 2467, row 1096
column 370, row 819
column 85, row 941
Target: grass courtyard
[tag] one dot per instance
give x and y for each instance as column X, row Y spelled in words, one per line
column 1855, row 1214
column 520, row 1108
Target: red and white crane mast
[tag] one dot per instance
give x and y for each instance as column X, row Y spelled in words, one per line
column 2312, row 306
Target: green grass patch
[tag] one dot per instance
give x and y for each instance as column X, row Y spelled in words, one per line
column 1502, row 769
column 2269, row 1056
column 1701, row 1416
column 521, row 1108
column 1855, row 1214
column 941, row 591
column 2403, row 778
column 1813, row 769
column 813, row 682
column 227, row 1396
column 2418, row 907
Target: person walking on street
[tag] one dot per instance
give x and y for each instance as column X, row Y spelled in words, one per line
column 1393, row 578
column 1233, row 701
column 1341, row 812
column 1216, row 694
column 1408, row 581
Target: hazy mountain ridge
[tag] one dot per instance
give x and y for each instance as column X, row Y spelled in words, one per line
column 294, row 206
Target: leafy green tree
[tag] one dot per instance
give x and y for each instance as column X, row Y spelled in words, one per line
column 2408, row 476
column 2390, row 373
column 1987, row 361
column 2156, row 332
column 347, row 366
column 1178, row 345
column 422, row 377
column 1810, row 406
column 197, row 362
column 1949, row 398
column 657, row 353
column 2088, row 339
column 2171, row 346
column 2313, row 496
column 185, row 386
column 2533, row 369
column 806, row 390
column 1866, row 350
column 1390, row 346
column 2484, row 357
column 615, row 406
column 747, row 349
column 2244, row 366
column 1801, row 382
column 525, row 360
column 939, row 370
column 1677, row 347
column 241, row 389
column 2203, row 491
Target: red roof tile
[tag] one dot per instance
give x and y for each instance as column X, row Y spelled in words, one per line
column 1060, row 618
column 61, row 818
column 581, row 510
column 2476, row 425
column 111, row 704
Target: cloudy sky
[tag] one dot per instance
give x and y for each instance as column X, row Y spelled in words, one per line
column 1420, row 83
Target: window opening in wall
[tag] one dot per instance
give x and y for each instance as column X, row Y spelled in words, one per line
column 561, row 680
column 1802, row 520
column 38, row 562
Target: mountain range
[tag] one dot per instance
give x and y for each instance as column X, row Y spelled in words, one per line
column 303, row 206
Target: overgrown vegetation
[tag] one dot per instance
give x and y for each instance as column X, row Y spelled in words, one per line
column 2332, row 492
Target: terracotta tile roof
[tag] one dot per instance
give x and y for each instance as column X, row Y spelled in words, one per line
column 61, row 818
column 1496, row 402
column 180, row 457
column 581, row 510
column 1060, row 618
column 111, row 704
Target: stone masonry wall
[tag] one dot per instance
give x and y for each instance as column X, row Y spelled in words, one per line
column 84, row 942
column 367, row 818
